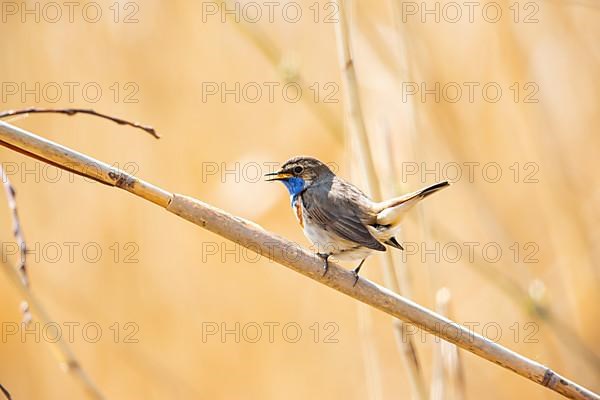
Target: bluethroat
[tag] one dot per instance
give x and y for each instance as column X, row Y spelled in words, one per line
column 338, row 218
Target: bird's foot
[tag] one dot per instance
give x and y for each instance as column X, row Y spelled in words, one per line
column 355, row 277
column 356, row 270
column 325, row 258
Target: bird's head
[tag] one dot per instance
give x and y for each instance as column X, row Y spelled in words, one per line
column 299, row 173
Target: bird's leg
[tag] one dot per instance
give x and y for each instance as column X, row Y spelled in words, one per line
column 356, row 270
column 325, row 258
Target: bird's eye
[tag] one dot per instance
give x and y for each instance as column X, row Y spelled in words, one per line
column 298, row 170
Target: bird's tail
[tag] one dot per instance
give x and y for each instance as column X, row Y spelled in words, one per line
column 390, row 212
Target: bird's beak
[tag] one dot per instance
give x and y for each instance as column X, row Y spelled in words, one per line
column 278, row 176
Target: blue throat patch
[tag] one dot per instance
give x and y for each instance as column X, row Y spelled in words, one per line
column 295, row 186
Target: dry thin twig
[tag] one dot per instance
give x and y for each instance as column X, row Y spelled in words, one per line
column 276, row 248
column 5, row 392
column 73, row 111
column 16, row 228
column 20, row 238
column 404, row 342
column 19, row 277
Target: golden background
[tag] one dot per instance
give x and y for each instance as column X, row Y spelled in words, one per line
column 175, row 288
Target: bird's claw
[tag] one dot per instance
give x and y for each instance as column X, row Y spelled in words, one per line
column 356, row 270
column 325, row 258
column 355, row 278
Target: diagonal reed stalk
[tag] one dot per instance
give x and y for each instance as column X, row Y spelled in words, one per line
column 278, row 249
column 405, row 343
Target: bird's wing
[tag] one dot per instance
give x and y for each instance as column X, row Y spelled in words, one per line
column 340, row 211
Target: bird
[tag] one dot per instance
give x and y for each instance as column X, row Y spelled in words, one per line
column 337, row 217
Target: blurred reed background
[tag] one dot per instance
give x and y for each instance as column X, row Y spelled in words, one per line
column 176, row 283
